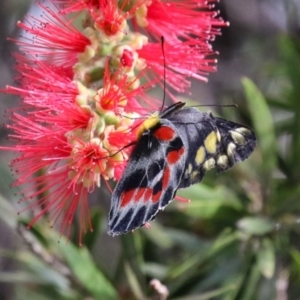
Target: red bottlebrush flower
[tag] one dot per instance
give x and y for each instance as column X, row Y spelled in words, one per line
column 82, row 92
column 67, row 137
column 183, row 61
column 69, row 6
column 187, row 27
column 128, row 7
column 127, row 58
column 191, row 19
column 108, row 18
column 55, row 38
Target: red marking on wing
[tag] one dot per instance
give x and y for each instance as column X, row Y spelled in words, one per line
column 166, row 178
column 156, row 197
column 148, row 194
column 174, row 156
column 164, row 133
column 126, row 197
column 139, row 194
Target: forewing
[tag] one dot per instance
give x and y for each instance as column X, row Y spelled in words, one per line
column 150, row 179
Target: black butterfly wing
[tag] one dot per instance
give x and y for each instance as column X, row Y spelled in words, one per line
column 237, row 144
column 174, row 153
column 150, row 179
column 210, row 142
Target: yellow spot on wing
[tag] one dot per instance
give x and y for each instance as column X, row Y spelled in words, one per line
column 148, row 124
column 210, row 142
column 189, row 170
column 200, row 155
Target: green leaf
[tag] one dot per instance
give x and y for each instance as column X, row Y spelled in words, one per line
column 81, row 263
column 190, row 267
column 155, row 270
column 290, row 54
column 39, row 273
column 225, row 239
column 264, row 127
column 185, row 239
column 209, row 295
column 206, row 201
column 133, row 282
column 255, row 225
column 158, row 236
column 266, row 258
column 253, row 279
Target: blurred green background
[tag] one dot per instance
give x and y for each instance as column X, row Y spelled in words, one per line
column 238, row 239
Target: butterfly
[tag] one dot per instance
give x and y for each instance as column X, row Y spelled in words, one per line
column 174, row 149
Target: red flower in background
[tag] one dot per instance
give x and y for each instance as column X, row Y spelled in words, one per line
column 82, row 92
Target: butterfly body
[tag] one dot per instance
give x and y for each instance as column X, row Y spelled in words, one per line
column 174, row 149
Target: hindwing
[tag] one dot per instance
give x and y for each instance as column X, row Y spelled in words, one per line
column 150, row 179
column 237, row 143
column 210, row 142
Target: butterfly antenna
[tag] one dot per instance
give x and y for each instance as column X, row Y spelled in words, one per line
column 217, row 105
column 164, row 74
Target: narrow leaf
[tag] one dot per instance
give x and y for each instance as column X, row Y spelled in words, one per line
column 263, row 125
column 81, row 263
column 255, row 225
column 266, row 258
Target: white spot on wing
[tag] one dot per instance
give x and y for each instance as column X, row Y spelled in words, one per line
column 231, row 150
column 238, row 138
column 209, row 164
column 222, row 161
column 242, row 130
